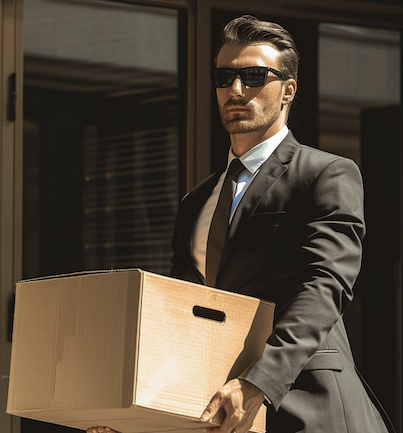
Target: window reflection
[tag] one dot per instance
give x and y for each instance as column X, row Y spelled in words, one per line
column 359, row 68
column 101, row 136
column 359, row 88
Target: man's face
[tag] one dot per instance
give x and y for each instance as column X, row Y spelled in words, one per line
column 252, row 109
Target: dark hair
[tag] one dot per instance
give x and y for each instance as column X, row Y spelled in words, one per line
column 247, row 29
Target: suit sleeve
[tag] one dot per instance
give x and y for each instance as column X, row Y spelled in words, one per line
column 331, row 228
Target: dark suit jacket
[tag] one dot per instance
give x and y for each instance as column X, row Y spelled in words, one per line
column 295, row 239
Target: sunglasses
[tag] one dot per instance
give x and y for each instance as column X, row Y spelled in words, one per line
column 253, row 76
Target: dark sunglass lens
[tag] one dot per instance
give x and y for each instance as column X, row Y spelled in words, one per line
column 223, row 77
column 254, row 77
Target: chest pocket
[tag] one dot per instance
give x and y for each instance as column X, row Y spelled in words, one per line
column 325, row 360
column 262, row 227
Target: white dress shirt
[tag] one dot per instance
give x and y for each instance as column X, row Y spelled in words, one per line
column 252, row 160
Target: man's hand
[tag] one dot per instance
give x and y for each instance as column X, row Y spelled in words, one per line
column 100, row 430
column 241, row 401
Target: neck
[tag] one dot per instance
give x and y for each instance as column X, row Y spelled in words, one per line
column 242, row 143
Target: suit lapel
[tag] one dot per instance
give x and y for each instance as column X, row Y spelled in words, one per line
column 193, row 202
column 270, row 171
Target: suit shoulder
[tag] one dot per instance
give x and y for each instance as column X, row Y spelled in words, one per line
column 306, row 157
column 320, row 155
column 311, row 166
column 318, row 160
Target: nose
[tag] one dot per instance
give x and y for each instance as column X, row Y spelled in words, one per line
column 237, row 88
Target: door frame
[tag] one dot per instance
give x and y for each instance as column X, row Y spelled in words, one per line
column 10, row 185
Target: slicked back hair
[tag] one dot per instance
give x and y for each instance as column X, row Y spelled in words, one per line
column 248, row 29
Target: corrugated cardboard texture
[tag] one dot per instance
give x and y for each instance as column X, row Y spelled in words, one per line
column 125, row 349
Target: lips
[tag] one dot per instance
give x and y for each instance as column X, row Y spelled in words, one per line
column 236, row 108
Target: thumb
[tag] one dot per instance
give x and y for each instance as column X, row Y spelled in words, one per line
column 212, row 408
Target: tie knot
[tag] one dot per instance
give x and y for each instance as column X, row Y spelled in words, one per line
column 235, row 168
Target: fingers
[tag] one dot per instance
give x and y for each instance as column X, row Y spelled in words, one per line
column 217, row 402
column 241, row 402
column 100, row 429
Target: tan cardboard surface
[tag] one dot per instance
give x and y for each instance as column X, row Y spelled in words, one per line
column 125, row 349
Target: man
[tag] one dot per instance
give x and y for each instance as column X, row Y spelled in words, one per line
column 294, row 238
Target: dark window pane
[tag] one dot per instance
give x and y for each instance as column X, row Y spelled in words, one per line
column 101, row 136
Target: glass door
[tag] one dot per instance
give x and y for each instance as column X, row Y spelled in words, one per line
column 360, row 118
column 102, row 138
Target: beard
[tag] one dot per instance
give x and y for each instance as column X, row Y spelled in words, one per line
column 248, row 121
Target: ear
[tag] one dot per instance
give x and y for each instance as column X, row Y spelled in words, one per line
column 290, row 88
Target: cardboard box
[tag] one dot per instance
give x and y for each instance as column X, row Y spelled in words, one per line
column 129, row 349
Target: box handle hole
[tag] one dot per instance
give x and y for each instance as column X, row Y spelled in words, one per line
column 208, row 313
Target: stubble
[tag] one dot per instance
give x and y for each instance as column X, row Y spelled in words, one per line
column 246, row 121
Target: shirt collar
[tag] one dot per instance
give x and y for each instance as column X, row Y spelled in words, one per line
column 255, row 157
